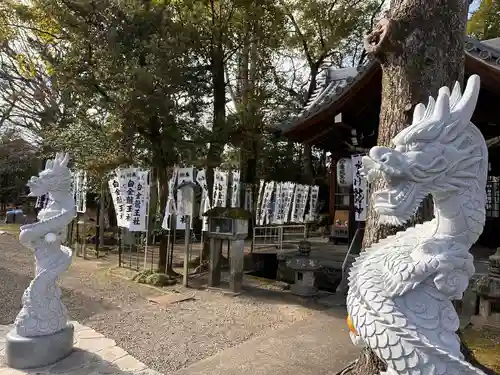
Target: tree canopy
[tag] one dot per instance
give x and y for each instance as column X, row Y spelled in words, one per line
column 485, row 21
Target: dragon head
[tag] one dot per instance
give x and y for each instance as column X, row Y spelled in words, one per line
column 56, row 177
column 440, row 153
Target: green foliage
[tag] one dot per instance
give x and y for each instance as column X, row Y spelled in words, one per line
column 118, row 83
column 19, row 160
column 485, row 21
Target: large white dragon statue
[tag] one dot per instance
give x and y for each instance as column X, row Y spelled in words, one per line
column 401, row 289
column 43, row 313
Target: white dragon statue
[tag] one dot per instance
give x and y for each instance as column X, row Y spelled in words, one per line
column 401, row 289
column 43, row 313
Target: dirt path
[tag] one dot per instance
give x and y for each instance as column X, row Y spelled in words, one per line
column 165, row 339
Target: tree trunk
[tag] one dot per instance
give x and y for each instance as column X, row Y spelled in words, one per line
column 420, row 46
column 219, row 133
column 419, row 53
column 162, row 200
column 102, row 209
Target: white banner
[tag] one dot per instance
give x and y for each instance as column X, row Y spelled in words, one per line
column 288, row 198
column 359, row 189
column 220, row 188
column 121, row 199
column 170, row 207
column 299, row 203
column 259, row 201
column 313, row 203
column 130, row 195
column 201, row 179
column 140, row 215
column 184, row 204
column 80, row 190
column 278, row 204
column 235, row 189
column 248, row 198
column 116, row 197
column 266, row 206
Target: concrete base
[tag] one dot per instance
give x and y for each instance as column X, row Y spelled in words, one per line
column 31, row 352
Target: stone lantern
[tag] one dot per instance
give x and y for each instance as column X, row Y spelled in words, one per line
column 304, row 268
column 488, row 290
column 227, row 224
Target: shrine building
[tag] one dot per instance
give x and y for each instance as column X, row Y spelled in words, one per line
column 342, row 117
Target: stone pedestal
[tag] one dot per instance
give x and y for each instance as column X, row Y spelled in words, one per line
column 39, row 351
column 304, row 268
column 236, row 265
column 214, row 273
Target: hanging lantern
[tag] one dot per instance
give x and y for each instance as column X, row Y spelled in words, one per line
column 344, row 172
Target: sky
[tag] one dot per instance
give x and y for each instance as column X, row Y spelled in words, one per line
column 474, row 5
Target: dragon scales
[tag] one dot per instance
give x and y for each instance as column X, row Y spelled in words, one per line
column 401, row 289
column 43, row 313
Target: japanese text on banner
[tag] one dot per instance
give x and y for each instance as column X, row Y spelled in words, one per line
column 360, row 188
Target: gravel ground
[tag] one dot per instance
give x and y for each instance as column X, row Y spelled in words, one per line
column 165, row 339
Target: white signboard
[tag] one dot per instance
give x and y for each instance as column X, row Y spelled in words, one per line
column 344, row 172
column 80, row 190
column 360, row 189
column 220, row 188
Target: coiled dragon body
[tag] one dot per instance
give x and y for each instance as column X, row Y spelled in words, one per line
column 401, row 289
column 43, row 313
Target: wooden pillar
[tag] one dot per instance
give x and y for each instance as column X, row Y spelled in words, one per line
column 333, row 187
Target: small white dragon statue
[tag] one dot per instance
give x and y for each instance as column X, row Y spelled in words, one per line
column 401, row 289
column 43, row 313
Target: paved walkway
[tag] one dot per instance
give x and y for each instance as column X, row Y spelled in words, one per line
column 318, row 346
column 309, row 347
column 94, row 354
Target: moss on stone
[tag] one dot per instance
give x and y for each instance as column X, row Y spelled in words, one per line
column 140, row 277
column 155, row 278
column 160, row 279
column 229, row 213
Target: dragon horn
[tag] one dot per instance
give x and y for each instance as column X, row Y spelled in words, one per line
column 467, row 104
column 464, row 109
column 64, row 159
column 49, row 164
column 418, row 113
column 442, row 108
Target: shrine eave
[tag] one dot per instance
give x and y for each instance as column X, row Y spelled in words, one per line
column 339, row 87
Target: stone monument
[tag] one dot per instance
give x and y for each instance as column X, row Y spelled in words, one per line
column 488, row 289
column 42, row 333
column 401, row 289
